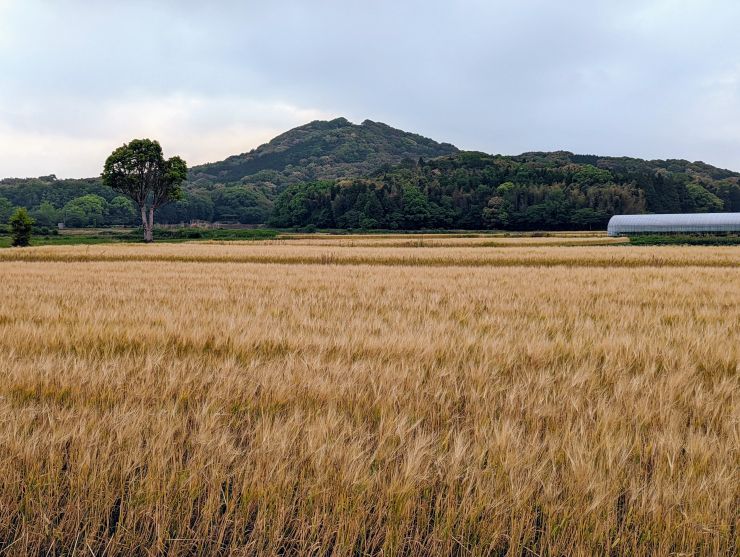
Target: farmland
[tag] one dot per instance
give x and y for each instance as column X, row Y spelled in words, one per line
column 394, row 394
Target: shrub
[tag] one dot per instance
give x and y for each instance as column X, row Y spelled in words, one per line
column 21, row 225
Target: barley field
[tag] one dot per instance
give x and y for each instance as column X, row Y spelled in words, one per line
column 370, row 396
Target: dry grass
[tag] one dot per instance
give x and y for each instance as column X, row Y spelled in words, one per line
column 242, row 399
column 420, row 241
column 286, row 253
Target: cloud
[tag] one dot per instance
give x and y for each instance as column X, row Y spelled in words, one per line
column 70, row 139
column 652, row 78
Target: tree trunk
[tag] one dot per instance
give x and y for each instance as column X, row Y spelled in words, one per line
column 151, row 224
column 145, row 224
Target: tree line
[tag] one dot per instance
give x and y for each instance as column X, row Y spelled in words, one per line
column 89, row 203
column 478, row 191
column 465, row 191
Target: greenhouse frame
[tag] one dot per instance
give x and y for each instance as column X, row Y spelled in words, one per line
column 718, row 223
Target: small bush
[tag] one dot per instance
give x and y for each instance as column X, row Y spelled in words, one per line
column 21, row 226
column 685, row 240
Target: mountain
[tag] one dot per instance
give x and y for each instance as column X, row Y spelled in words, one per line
column 320, row 150
column 341, row 175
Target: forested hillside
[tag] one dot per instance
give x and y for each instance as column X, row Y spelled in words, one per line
column 320, row 150
column 340, row 175
column 532, row 191
column 238, row 189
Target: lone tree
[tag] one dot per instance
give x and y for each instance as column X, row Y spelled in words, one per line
column 139, row 171
column 21, row 225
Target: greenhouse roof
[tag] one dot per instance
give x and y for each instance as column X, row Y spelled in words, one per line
column 685, row 222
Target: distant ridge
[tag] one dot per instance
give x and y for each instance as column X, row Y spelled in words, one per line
column 336, row 174
column 321, row 150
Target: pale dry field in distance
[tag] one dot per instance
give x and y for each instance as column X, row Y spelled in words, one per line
column 365, row 395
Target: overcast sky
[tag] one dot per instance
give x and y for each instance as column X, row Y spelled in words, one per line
column 647, row 78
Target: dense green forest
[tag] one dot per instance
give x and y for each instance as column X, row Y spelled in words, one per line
column 340, row 175
column 546, row 191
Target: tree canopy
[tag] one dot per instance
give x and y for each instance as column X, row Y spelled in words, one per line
column 21, row 226
column 477, row 191
column 139, row 171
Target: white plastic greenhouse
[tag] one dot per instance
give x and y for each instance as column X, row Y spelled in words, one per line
column 694, row 222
